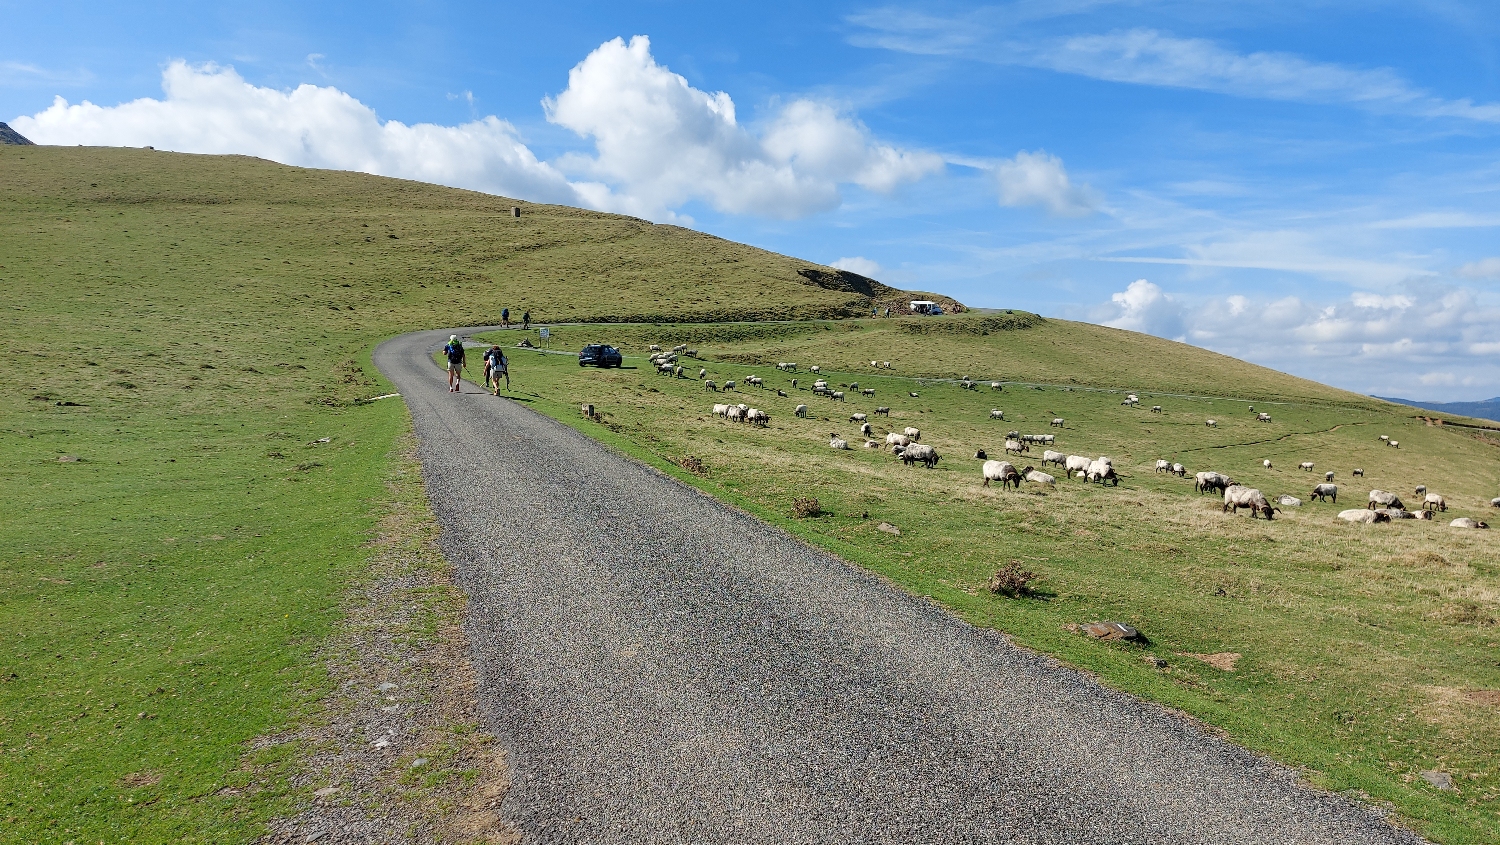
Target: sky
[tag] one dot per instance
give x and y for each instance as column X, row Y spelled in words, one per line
column 1310, row 185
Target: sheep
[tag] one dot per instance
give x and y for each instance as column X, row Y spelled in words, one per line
column 781, row 393
column 1100, row 471
column 1155, row 409
column 1358, row 473
column 1262, row 417
column 1495, row 502
column 882, row 410
column 1289, row 501
column 1204, row 482
column 1211, row 423
column 894, row 439
column 853, row 385
column 1385, row 437
column 708, row 385
column 867, row 391
column 874, row 363
column 912, row 394
column 815, row 369
column 653, row 348
column 1013, row 434
column 721, row 410
column 1395, row 444
column 681, row 347
column 837, row 395
column 1328, row 476
column 1163, row 466
column 664, row 369
column 979, row 455
column 995, row 385
column 836, row 442
column 735, row 414
column 1434, row 502
column 1077, row 464
column 1179, row 470
column 885, row 365
column 1051, row 457
column 729, row 385
column 702, row 373
column 1057, row 422
column 800, row 411
column 1266, row 463
column 1421, row 489
column 820, row 384
column 914, row 433
column 864, row 428
column 1036, row 476
column 857, row 417
column 690, row 353
column 756, row 416
column 920, row 452
column 1382, row 499
column 755, row 380
column 1466, row 522
column 1324, row 492
column 1361, row 515
column 1305, row 465
column 1001, row 471
column 871, row 444
column 794, row 384
column 1237, row 496
column 997, row 414
column 1013, row 447
column 677, row 371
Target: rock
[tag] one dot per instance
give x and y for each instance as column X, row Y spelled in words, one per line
column 1110, row 631
column 67, row 459
column 1289, row 501
column 1440, row 780
column 387, row 686
column 889, row 528
column 326, row 791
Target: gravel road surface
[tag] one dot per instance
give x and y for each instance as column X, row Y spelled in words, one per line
column 663, row 668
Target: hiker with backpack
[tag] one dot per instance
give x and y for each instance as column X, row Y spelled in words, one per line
column 504, row 318
column 455, row 352
column 526, row 322
column 496, row 366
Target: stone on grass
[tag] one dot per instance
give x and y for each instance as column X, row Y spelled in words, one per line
column 1110, row 631
column 1440, row 780
column 889, row 528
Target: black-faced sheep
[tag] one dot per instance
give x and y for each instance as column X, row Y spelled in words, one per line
column 1324, row 492
column 1467, row 522
column 1434, row 502
column 920, row 452
column 1382, row 499
column 1001, row 471
column 1237, row 496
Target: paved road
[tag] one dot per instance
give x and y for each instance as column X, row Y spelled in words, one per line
column 662, row 668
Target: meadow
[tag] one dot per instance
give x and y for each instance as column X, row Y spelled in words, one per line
column 193, row 487
column 1362, row 655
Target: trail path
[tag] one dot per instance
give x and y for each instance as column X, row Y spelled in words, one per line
column 663, row 668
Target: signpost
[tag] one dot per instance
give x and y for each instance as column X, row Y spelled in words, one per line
column 546, row 335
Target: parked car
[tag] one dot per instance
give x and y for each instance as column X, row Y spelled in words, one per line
column 600, row 355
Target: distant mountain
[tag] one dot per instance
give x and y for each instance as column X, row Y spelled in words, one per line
column 11, row 136
column 1488, row 409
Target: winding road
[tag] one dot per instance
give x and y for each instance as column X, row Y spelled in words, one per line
column 663, row 668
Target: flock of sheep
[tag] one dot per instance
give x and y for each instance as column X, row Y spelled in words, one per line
column 1382, row 506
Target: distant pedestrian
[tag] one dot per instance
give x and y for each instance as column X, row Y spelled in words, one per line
column 455, row 352
column 526, row 321
column 504, row 318
column 495, row 367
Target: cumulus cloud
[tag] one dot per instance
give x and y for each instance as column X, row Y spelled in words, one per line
column 659, row 142
column 211, row 109
column 662, row 143
column 862, row 266
column 1485, row 268
column 1039, row 179
column 1145, row 307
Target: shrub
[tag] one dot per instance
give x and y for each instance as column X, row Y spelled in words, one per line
column 806, row 506
column 1011, row 580
column 691, row 464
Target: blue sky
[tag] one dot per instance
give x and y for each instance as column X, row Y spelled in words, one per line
column 1314, row 186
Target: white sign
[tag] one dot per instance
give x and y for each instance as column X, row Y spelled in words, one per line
column 545, row 333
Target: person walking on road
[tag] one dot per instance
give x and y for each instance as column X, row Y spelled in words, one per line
column 455, row 352
column 496, row 366
column 526, row 321
column 504, row 318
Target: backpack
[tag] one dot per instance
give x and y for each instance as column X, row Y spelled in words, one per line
column 455, row 351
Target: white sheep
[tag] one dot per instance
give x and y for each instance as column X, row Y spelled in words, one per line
column 1163, row 466
column 1288, row 501
column 1179, row 470
column 702, row 373
column 857, row 417
column 1434, row 502
column 1305, row 465
column 801, row 411
column 1101, row 471
column 708, row 385
column 1324, row 492
column 1385, row 437
column 815, row 368
column 1051, row 457
column 871, row 444
column 756, row 416
column 1495, row 502
column 867, row 391
column 914, row 433
column 1077, row 464
column 1328, row 476
column 1266, row 463
column 729, row 385
column 837, row 394
column 865, row 429
column 995, row 385
column 1015, row 447
column 735, row 414
column 1204, row 482
column 1036, row 476
column 1395, row 444
column 1382, row 499
column 1365, row 516
column 1211, row 423
column 874, row 363
column 836, row 442
column 885, row 365
column 898, row 440
column 1421, row 489
column 1155, row 409
column 920, row 452
column 1001, row 471
column 997, row 414
column 1358, row 473
column 1237, row 496
column 1467, row 522
column 721, row 410
column 1263, row 417
column 653, row 348
column 1057, row 422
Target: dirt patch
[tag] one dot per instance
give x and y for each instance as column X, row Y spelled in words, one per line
column 1223, row 661
column 136, row 780
column 1484, row 696
column 397, row 754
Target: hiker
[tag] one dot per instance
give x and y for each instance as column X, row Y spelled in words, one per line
column 495, row 366
column 455, row 352
column 504, row 318
column 526, row 322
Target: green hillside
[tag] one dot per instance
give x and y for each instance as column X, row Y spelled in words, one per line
column 181, row 334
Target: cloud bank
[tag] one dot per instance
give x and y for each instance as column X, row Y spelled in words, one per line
column 659, row 142
column 1039, row 179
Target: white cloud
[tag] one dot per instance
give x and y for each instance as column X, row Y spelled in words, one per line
column 209, row 109
column 1145, row 307
column 1485, row 268
column 862, row 266
column 1039, row 179
column 665, row 143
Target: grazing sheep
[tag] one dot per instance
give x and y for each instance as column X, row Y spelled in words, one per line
column 1328, row 476
column 756, row 416
column 874, row 363
column 708, row 385
column 735, row 414
column 721, row 410
column 1057, row 422
column 1263, row 417
column 1385, row 437
column 801, row 411
column 653, row 348
column 914, row 433
column 1382, row 499
column 1266, row 463
column 882, row 410
column 1495, row 502
column 691, row 353
column 1001, row 471
column 871, row 444
column 995, row 385
column 1324, row 492
column 981, row 456
column 1237, row 496
column 1101, row 471
column 1466, row 522
column 1358, row 473
column 1203, row 482
column 997, row 414
column 1289, row 501
column 837, row 395
column 1051, row 457
column 755, row 380
column 1367, row 517
column 1211, row 423
column 729, row 385
column 702, row 373
column 794, row 384
column 857, row 417
column 1014, row 447
column 1163, row 466
column 920, row 452
column 867, row 391
column 1421, row 489
column 815, row 369
column 864, row 428
column 1013, row 434
column 900, row 440
column 820, row 384
column 1395, row 444
column 781, row 393
column 1036, row 476
column 1179, row 470
column 912, row 394
column 1077, row 464
column 1434, row 502
column 1155, row 409
column 1305, row 465
column 885, row 365
column 677, row 371
column 836, row 442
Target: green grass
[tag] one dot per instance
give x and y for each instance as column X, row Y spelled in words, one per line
column 1359, row 645
column 190, row 326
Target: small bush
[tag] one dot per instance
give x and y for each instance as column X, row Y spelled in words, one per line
column 806, row 506
column 691, row 464
column 1011, row 580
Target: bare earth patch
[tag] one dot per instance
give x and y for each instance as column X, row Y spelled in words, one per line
column 1484, row 696
column 136, row 780
column 397, row 755
column 1223, row 661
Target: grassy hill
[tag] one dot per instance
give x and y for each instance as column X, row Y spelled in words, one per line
column 182, row 333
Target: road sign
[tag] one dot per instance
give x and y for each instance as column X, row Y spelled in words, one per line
column 545, row 333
